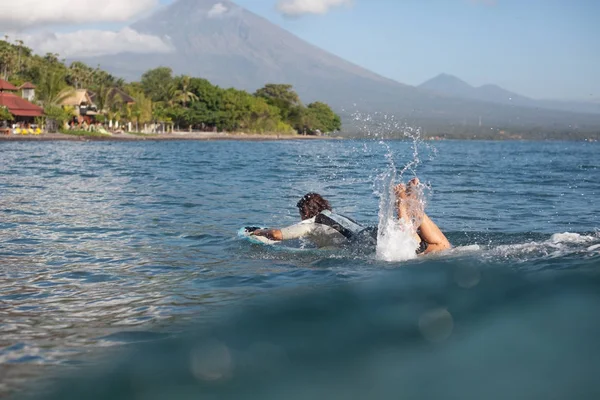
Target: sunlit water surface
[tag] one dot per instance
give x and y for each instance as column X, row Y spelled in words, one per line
column 105, row 244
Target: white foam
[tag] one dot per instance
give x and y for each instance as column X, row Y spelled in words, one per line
column 559, row 245
column 468, row 248
column 395, row 239
column 396, row 242
column 568, row 237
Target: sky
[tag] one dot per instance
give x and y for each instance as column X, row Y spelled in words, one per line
column 538, row 48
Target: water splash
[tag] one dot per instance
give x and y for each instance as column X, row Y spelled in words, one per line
column 396, row 238
column 395, row 242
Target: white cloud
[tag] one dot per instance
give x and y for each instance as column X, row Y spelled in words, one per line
column 87, row 43
column 300, row 7
column 217, row 10
column 23, row 14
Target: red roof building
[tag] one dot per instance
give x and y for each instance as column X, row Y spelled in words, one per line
column 27, row 91
column 4, row 85
column 27, row 85
column 19, row 107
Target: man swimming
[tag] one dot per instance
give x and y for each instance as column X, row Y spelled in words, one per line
column 319, row 224
column 325, row 228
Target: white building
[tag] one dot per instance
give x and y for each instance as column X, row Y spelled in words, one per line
column 27, row 91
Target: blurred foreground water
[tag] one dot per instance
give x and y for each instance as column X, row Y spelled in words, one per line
column 440, row 329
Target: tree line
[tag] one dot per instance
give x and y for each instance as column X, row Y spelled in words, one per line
column 184, row 101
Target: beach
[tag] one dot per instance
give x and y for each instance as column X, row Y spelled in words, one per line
column 164, row 136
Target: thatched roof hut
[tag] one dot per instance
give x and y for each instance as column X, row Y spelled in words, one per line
column 79, row 97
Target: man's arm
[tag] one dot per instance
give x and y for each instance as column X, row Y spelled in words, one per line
column 273, row 234
column 291, row 232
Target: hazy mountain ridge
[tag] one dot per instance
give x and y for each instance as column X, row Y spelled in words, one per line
column 450, row 85
column 241, row 49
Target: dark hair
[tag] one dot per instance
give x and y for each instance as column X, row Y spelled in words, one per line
column 311, row 204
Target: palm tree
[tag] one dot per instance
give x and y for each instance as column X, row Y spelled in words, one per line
column 8, row 60
column 102, row 97
column 170, row 95
column 80, row 74
column 20, row 47
column 183, row 95
column 51, row 58
column 110, row 103
column 141, row 110
column 52, row 89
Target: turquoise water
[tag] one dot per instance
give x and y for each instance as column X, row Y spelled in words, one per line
column 106, row 243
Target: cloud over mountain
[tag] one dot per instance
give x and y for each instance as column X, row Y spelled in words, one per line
column 90, row 43
column 217, row 10
column 301, row 7
column 23, row 14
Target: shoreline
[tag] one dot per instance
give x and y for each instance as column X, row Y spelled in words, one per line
column 246, row 137
column 126, row 137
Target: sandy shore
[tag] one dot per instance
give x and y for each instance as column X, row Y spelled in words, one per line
column 165, row 136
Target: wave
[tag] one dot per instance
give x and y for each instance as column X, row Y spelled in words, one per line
column 440, row 329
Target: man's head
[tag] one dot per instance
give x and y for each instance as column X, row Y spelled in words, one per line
column 311, row 204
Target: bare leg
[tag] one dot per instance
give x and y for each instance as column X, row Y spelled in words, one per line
column 435, row 238
column 426, row 229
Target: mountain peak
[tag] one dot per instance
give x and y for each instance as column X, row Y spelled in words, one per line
column 443, row 77
column 446, row 76
column 452, row 86
column 231, row 46
column 448, row 85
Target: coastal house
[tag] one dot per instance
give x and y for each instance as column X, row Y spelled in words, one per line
column 82, row 102
column 23, row 111
column 27, row 91
column 6, row 86
column 80, row 99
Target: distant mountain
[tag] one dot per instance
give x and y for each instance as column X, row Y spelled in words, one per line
column 450, row 85
column 241, row 49
column 238, row 48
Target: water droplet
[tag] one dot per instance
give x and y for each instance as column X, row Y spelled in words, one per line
column 436, row 325
column 211, row 361
column 467, row 276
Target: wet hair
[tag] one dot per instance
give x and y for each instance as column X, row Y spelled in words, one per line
column 311, row 204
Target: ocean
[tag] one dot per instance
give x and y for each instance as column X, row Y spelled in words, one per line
column 126, row 254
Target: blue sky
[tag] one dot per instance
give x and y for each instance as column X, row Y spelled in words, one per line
column 539, row 48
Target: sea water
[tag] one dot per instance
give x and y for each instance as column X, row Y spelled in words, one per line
column 106, row 245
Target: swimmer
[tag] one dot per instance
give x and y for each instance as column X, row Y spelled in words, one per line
column 319, row 224
column 326, row 228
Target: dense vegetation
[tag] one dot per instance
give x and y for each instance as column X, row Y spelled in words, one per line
column 194, row 102
column 183, row 101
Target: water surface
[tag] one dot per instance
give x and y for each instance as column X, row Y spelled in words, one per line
column 105, row 243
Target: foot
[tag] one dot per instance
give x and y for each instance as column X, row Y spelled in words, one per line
column 403, row 191
column 408, row 202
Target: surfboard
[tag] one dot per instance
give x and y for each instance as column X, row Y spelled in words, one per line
column 245, row 233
